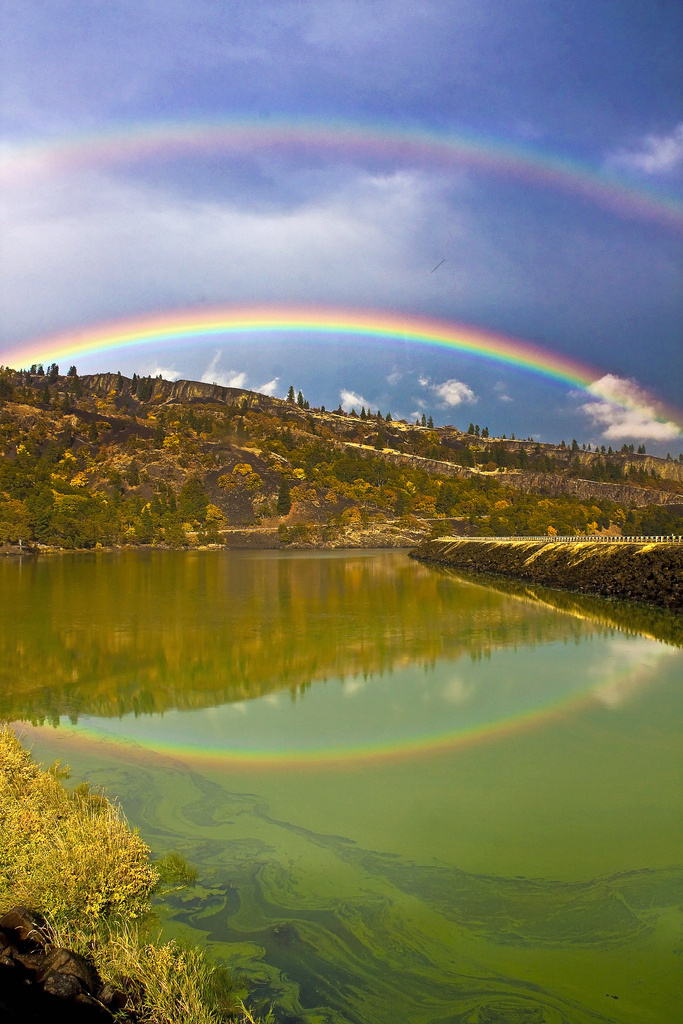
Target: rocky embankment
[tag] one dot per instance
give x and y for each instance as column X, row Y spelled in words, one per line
column 40, row 982
column 641, row 572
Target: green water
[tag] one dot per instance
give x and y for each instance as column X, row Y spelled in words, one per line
column 412, row 798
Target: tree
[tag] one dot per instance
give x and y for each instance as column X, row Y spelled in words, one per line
column 72, row 372
column 193, row 500
column 387, row 418
column 363, row 414
column 53, row 372
column 424, row 420
column 300, row 400
column 290, row 394
column 430, row 423
column 284, row 498
column 485, row 432
column 476, row 430
column 575, row 445
column 470, row 429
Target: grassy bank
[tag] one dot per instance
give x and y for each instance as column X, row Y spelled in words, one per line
column 72, row 857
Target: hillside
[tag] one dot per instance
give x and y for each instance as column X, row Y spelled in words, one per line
column 106, row 460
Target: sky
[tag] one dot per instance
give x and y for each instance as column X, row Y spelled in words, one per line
column 516, row 168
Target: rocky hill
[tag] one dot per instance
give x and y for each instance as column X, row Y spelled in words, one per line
column 104, row 459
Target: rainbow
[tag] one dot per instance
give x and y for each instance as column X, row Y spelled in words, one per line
column 343, row 141
column 203, row 326
column 87, row 737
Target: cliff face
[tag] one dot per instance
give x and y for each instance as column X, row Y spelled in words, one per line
column 543, row 483
column 643, row 572
column 548, row 483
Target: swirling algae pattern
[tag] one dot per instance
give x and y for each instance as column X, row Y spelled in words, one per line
column 372, row 938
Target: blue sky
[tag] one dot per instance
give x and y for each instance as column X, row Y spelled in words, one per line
column 596, row 84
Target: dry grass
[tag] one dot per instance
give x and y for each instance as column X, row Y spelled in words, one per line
column 73, row 858
column 70, row 856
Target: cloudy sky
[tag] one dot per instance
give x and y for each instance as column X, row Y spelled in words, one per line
column 516, row 167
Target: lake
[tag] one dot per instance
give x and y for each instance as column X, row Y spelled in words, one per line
column 412, row 797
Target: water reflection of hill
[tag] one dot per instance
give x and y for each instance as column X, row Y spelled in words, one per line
column 627, row 616
column 121, row 632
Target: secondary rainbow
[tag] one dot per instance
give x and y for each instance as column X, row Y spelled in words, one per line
column 345, row 141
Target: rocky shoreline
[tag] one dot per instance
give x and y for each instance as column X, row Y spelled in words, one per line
column 40, row 982
column 650, row 573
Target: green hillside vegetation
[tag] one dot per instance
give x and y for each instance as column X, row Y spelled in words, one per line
column 109, row 461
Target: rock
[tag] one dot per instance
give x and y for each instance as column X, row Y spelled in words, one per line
column 112, row 997
column 65, row 962
column 62, row 986
column 91, row 1009
column 32, row 962
column 23, row 925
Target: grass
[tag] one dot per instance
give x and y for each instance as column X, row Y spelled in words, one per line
column 73, row 858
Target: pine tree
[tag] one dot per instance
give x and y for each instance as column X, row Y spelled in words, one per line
column 290, row 394
column 284, row 498
column 363, row 414
column 424, row 420
column 430, row 423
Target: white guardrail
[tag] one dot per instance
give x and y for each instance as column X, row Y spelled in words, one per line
column 577, row 539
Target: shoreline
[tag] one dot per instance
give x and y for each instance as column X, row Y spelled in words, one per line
column 646, row 571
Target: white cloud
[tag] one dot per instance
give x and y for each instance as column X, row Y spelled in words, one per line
column 630, row 665
column 625, row 410
column 350, row 400
column 500, row 388
column 269, row 387
column 454, row 392
column 165, row 372
column 394, row 377
column 352, row 686
column 94, row 246
column 656, row 154
column 457, row 691
column 231, row 379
